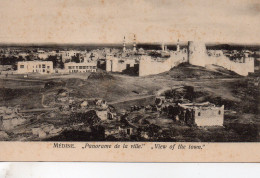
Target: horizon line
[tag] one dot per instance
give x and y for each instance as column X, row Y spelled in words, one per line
column 119, row 43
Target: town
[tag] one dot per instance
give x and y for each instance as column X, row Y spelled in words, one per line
column 187, row 91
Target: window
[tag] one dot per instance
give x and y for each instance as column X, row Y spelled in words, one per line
column 87, row 67
column 77, row 67
column 43, row 70
column 80, row 67
column 198, row 113
column 48, row 67
column 70, row 67
column 94, row 67
column 21, row 66
column 39, row 65
column 73, row 67
column 90, row 67
column 84, row 67
column 219, row 112
column 43, row 66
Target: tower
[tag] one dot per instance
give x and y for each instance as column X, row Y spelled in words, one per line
column 163, row 47
column 178, row 46
column 124, row 49
column 134, row 45
column 197, row 54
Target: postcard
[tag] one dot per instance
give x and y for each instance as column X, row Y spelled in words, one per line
column 130, row 81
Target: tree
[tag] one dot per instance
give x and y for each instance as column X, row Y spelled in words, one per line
column 57, row 62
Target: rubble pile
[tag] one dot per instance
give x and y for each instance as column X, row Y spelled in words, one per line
column 10, row 117
column 45, row 131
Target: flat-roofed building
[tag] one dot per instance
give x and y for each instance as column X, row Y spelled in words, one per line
column 42, row 67
column 202, row 114
column 73, row 67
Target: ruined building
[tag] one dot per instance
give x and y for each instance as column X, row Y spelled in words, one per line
column 201, row 114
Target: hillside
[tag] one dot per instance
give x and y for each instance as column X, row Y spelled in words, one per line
column 189, row 71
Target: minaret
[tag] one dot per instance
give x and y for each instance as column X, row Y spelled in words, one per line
column 178, row 46
column 134, row 45
column 124, row 49
column 163, row 47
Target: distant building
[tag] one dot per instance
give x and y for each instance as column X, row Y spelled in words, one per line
column 73, row 67
column 42, row 67
column 201, row 114
column 67, row 55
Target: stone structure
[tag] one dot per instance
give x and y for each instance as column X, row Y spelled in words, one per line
column 242, row 67
column 197, row 53
column 149, row 66
column 201, row 114
column 42, row 67
column 114, row 64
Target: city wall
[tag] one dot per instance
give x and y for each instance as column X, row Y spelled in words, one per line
column 147, row 66
column 241, row 68
column 116, row 65
column 197, row 55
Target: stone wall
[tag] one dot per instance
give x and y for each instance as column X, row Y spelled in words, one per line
column 241, row 68
column 148, row 66
column 209, row 116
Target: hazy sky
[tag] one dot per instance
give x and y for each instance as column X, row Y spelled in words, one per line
column 107, row 21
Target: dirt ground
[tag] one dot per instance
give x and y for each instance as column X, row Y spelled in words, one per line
column 122, row 91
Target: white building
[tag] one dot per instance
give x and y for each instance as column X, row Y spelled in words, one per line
column 73, row 67
column 42, row 67
column 202, row 114
column 67, row 55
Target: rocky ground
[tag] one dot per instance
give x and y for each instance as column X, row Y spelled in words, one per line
column 36, row 94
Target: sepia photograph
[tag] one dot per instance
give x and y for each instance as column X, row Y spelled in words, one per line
column 129, row 71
